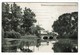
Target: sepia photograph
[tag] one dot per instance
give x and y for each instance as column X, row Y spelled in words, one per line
column 39, row 27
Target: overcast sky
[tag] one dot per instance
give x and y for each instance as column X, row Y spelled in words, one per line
column 47, row 13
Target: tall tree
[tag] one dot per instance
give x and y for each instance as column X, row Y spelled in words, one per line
column 16, row 16
column 14, row 19
column 67, row 24
column 28, row 19
column 11, row 16
column 5, row 16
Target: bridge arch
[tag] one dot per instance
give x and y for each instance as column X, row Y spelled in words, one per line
column 45, row 37
column 50, row 37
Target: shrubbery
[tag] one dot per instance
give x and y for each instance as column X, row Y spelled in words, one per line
column 12, row 34
column 65, row 45
column 9, row 45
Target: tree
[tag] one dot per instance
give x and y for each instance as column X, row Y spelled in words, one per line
column 74, row 25
column 15, row 22
column 67, row 24
column 36, row 30
column 5, row 16
column 14, row 19
column 28, row 19
column 11, row 16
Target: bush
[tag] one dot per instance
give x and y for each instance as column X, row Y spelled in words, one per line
column 65, row 45
column 12, row 34
column 9, row 45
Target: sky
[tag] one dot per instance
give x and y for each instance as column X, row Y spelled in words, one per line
column 47, row 13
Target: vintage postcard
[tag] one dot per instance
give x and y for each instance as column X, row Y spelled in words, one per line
column 40, row 27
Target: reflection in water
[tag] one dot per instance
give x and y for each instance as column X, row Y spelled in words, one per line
column 42, row 48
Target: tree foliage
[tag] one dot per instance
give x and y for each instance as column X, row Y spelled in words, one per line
column 36, row 30
column 14, row 18
column 67, row 25
column 28, row 19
